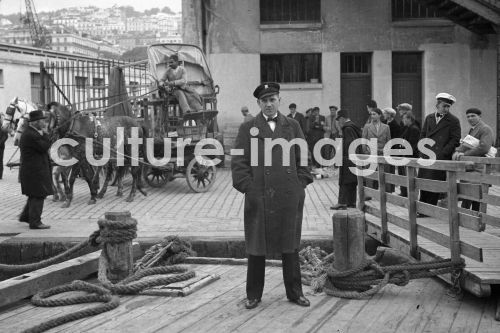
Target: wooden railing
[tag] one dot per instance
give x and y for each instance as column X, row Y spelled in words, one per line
column 476, row 189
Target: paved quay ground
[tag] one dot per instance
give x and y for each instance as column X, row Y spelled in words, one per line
column 171, row 210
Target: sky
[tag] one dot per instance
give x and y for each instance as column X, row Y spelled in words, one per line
column 13, row 6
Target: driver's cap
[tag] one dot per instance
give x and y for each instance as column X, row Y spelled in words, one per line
column 266, row 89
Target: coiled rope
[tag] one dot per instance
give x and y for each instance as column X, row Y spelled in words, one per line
column 110, row 232
column 370, row 277
column 105, row 294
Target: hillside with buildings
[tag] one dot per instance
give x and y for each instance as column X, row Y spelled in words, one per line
column 98, row 32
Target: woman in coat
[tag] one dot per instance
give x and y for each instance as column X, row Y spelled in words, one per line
column 379, row 131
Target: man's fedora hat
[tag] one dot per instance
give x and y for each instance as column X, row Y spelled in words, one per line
column 36, row 115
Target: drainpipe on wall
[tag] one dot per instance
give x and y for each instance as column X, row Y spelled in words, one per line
column 42, row 84
column 497, row 29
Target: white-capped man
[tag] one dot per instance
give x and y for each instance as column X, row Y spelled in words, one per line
column 444, row 129
column 274, row 195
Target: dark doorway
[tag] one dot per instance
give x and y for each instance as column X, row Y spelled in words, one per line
column 356, row 85
column 407, row 81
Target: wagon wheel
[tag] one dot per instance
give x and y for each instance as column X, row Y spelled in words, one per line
column 155, row 177
column 200, row 178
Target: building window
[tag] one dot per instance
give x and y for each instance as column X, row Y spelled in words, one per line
column 355, row 63
column 80, row 82
column 279, row 11
column 1, row 77
column 291, row 68
column 35, row 79
column 412, row 9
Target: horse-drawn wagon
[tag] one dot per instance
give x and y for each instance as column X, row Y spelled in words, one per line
column 167, row 117
column 136, row 91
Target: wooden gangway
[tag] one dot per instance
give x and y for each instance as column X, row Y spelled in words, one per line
column 448, row 230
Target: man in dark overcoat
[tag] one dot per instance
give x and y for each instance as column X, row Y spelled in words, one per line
column 348, row 181
column 315, row 132
column 297, row 116
column 274, row 194
column 35, row 172
column 444, row 129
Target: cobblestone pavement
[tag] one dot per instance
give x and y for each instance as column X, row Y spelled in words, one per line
column 173, row 209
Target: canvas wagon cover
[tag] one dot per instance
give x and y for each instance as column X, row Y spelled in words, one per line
column 190, row 56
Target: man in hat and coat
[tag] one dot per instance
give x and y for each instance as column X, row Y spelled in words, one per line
column 444, row 129
column 35, row 172
column 297, row 116
column 175, row 79
column 348, row 181
column 274, row 194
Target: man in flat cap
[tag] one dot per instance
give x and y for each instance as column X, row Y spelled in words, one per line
column 36, row 179
column 274, row 195
column 315, row 132
column 480, row 147
column 175, row 79
column 348, row 181
column 444, row 128
column 246, row 114
column 297, row 116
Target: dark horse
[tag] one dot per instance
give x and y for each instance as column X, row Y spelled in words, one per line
column 82, row 126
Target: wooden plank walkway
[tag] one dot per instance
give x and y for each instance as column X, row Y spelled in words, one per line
column 422, row 306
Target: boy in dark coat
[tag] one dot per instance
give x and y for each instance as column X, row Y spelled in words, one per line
column 36, row 182
column 274, row 194
column 348, row 181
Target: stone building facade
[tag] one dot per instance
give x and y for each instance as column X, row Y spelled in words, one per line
column 334, row 52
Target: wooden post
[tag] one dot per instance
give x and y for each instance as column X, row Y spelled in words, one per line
column 118, row 255
column 453, row 216
column 361, row 194
column 412, row 211
column 348, row 239
column 486, row 169
column 383, row 203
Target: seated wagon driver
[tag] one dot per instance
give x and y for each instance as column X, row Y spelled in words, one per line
column 175, row 79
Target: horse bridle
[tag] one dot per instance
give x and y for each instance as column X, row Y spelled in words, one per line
column 11, row 111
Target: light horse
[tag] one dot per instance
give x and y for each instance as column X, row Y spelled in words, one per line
column 85, row 125
column 16, row 116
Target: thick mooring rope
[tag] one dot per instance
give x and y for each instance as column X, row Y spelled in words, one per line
column 110, row 232
column 20, row 269
column 105, row 294
column 370, row 277
column 119, row 233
